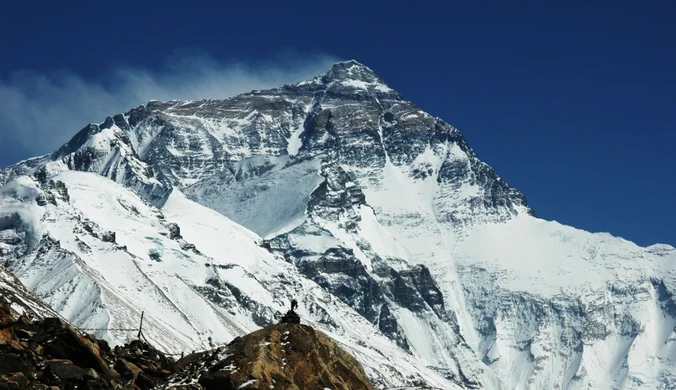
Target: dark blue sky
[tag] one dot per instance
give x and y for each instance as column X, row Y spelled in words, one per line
column 574, row 104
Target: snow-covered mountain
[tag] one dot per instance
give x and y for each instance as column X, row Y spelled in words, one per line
column 398, row 241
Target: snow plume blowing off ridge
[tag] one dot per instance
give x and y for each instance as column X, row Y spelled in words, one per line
column 40, row 111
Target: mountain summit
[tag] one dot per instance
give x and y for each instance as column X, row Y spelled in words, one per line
column 404, row 246
column 351, row 71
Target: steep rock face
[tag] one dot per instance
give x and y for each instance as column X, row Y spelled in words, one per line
column 551, row 302
column 285, row 356
column 105, row 149
column 336, row 246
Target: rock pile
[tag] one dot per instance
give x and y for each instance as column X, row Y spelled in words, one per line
column 142, row 364
column 51, row 353
column 291, row 317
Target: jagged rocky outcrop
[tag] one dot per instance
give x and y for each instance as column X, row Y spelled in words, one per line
column 283, row 357
column 50, row 353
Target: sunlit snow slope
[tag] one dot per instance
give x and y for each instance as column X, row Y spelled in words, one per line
column 100, row 255
column 400, row 243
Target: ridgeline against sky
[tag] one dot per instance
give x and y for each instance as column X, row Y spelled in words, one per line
column 572, row 104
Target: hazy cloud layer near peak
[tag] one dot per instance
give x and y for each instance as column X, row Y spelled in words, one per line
column 39, row 112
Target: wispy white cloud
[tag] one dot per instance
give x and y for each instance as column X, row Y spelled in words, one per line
column 39, row 112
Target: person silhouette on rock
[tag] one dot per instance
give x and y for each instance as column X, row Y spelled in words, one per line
column 291, row 317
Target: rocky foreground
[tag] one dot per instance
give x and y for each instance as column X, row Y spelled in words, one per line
column 50, row 353
column 284, row 356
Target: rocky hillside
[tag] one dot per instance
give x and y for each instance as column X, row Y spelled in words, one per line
column 280, row 357
column 50, row 353
column 47, row 353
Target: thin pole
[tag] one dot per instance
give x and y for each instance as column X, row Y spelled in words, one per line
column 140, row 327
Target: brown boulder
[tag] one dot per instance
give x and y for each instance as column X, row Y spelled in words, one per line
column 5, row 313
column 68, row 344
column 128, row 371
